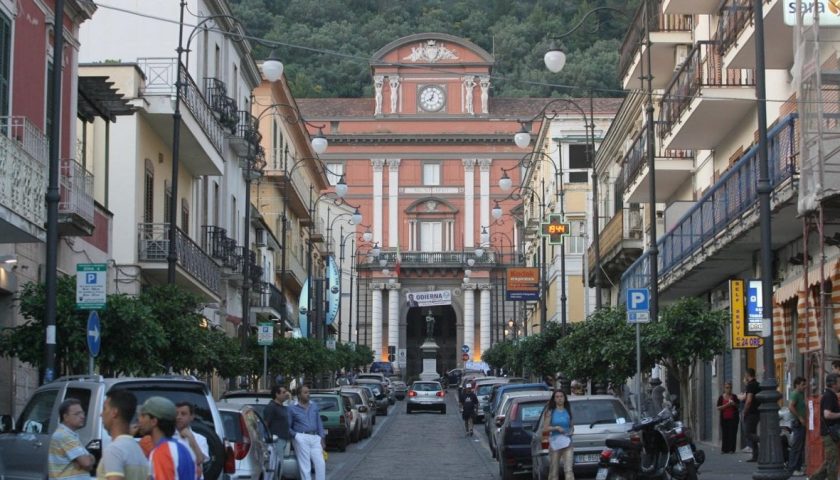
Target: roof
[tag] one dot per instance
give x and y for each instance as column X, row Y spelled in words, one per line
column 505, row 107
column 99, row 98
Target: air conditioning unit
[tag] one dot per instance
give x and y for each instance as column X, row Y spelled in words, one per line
column 259, row 237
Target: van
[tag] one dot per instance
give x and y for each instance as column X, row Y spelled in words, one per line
column 385, row 368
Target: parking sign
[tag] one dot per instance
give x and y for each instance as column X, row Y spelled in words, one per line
column 91, row 285
column 638, row 305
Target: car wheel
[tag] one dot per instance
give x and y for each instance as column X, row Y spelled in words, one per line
column 505, row 472
column 385, row 412
column 213, row 466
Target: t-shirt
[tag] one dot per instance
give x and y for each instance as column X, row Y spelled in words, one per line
column 798, row 400
column 560, row 418
column 470, row 402
column 65, row 447
column 170, row 460
column 200, row 440
column 277, row 419
column 123, row 458
column 754, row 388
column 828, row 402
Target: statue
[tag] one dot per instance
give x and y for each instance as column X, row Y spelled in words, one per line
column 378, row 81
column 469, row 86
column 430, row 325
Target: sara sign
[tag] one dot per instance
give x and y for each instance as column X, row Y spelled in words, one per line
column 523, row 284
column 828, row 11
column 736, row 307
column 428, row 299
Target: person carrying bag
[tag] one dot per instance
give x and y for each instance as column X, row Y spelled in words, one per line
column 558, row 424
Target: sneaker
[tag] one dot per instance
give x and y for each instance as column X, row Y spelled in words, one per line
column 798, row 473
column 747, row 450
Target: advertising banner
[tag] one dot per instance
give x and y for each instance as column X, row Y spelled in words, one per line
column 428, row 299
column 828, row 10
column 754, row 309
column 736, row 308
column 523, row 284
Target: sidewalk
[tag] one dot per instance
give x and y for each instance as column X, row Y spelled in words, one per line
column 730, row 466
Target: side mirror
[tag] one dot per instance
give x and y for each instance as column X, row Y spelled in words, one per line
column 274, row 438
column 7, row 424
column 499, row 422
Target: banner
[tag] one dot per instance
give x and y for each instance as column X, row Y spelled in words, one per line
column 754, row 307
column 829, row 12
column 333, row 292
column 523, row 284
column 736, row 309
column 428, row 299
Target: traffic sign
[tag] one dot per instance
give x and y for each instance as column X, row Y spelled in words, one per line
column 465, row 356
column 638, row 305
column 555, row 229
column 465, row 348
column 265, row 334
column 94, row 333
column 91, row 285
column 401, row 357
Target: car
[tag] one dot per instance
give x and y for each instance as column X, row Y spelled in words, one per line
column 283, row 463
column 360, row 403
column 379, row 393
column 400, row 388
column 595, row 417
column 384, row 380
column 386, row 368
column 358, row 427
column 334, row 415
column 494, row 410
column 513, row 443
column 483, row 389
column 367, row 399
column 426, row 395
column 504, row 408
column 247, row 442
column 21, row 457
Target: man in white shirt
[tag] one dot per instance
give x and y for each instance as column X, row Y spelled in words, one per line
column 195, row 442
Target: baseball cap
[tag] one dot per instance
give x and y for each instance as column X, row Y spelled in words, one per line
column 159, row 407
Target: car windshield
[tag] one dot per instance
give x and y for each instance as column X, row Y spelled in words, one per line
column 603, row 411
column 355, row 398
column 177, row 392
column 326, row 404
column 485, row 389
column 425, row 387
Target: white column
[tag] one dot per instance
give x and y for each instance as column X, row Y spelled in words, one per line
column 469, row 317
column 485, row 319
column 484, row 202
column 469, row 201
column 394, row 316
column 376, row 319
column 377, row 163
column 393, row 205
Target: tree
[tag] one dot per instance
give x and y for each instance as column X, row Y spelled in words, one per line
column 177, row 312
column 686, row 334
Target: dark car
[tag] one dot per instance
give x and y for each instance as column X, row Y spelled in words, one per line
column 385, row 368
column 514, row 439
column 496, row 394
column 379, row 393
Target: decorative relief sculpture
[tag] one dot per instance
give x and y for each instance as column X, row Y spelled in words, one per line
column 378, row 82
column 469, row 86
column 430, row 52
column 484, row 83
column 394, row 83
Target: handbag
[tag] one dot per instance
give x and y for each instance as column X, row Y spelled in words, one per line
column 559, row 441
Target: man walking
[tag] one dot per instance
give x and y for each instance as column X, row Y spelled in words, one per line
column 751, row 415
column 308, row 436
column 830, row 416
column 469, row 405
column 122, row 459
column 277, row 418
column 196, row 442
column 68, row 459
column 169, row 459
column 796, row 406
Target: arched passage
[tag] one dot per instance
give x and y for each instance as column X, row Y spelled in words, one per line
column 445, row 335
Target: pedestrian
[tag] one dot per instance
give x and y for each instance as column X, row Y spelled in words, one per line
column 829, row 418
column 196, row 442
column 577, row 388
column 727, row 405
column 169, row 459
column 751, row 416
column 308, row 436
column 122, row 459
column 68, row 459
column 276, row 415
column 469, row 405
column 796, row 406
column 558, row 424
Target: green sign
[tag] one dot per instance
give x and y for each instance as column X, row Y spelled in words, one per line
column 91, row 285
column 555, row 229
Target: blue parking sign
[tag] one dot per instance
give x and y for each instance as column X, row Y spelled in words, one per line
column 638, row 305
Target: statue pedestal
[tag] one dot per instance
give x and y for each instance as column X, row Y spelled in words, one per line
column 428, row 352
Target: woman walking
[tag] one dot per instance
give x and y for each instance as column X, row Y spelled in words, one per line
column 558, row 424
column 727, row 405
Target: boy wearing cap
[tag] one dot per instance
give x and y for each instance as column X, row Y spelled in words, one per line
column 169, row 459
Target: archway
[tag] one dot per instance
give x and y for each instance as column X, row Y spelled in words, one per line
column 445, row 335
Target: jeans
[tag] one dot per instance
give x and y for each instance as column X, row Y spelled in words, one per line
column 829, row 467
column 308, row 452
column 797, row 447
column 751, row 426
column 568, row 458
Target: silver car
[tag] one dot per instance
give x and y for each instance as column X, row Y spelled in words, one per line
column 426, row 396
column 247, row 441
column 361, row 403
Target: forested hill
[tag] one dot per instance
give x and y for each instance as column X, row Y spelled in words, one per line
column 515, row 32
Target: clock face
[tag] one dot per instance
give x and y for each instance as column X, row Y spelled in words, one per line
column 432, row 98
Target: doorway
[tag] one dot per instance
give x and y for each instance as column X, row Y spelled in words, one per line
column 446, row 336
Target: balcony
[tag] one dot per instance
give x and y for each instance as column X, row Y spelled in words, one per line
column 673, row 168
column 224, row 107
column 667, row 31
column 195, row 270
column 202, row 135
column 246, row 134
column 621, row 244
column 690, row 6
column 267, row 300
column 438, row 259
column 718, row 237
column 295, row 274
column 23, row 182
column 704, row 101
column 736, row 34
column 75, row 206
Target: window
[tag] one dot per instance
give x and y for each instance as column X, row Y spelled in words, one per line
column 36, row 416
column 578, row 164
column 233, row 216
column 167, row 202
column 5, row 62
column 575, row 242
column 431, row 236
column 334, row 172
column 431, row 174
column 185, row 216
column 149, row 193
column 276, row 145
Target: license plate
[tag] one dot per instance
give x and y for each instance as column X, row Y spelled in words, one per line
column 602, row 474
column 591, row 458
column 686, row 453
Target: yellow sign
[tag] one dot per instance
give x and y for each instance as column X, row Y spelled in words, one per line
column 736, row 308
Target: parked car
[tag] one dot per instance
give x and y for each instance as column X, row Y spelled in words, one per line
column 22, row 458
column 386, row 368
column 335, row 411
column 367, row 399
column 595, row 417
column 495, row 430
column 384, row 380
column 400, row 388
column 247, row 443
column 362, row 410
column 483, row 389
column 514, row 438
column 426, row 396
column 379, row 393
column 494, row 410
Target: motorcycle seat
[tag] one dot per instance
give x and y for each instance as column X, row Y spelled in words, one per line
column 623, row 443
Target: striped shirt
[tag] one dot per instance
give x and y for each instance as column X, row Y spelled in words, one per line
column 65, row 447
column 170, row 460
column 123, row 458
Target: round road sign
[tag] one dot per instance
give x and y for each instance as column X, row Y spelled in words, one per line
column 465, row 356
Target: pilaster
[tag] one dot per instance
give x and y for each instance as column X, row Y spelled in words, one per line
column 469, row 202
column 393, row 202
column 377, row 164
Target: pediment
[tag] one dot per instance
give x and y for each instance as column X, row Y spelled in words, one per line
column 432, row 49
column 431, row 206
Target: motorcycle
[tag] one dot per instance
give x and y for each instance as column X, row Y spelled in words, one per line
column 658, row 447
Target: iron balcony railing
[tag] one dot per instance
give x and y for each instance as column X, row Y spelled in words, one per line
column 76, row 190
column 625, row 225
column 154, row 247
column 215, row 242
column 23, row 169
column 636, row 157
column 414, row 259
column 160, row 80
column 247, row 127
column 269, row 297
column 733, row 16
column 725, row 202
column 658, row 22
column 702, row 69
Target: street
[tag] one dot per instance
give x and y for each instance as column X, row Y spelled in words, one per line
column 431, row 445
